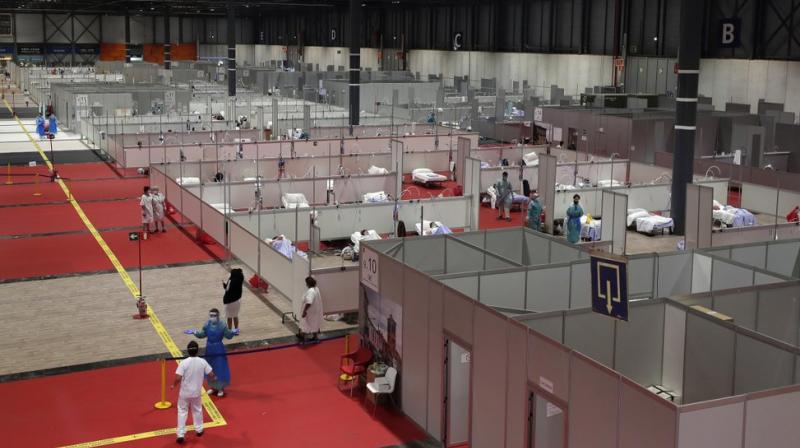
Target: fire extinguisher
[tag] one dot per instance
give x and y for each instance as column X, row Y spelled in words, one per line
column 141, row 305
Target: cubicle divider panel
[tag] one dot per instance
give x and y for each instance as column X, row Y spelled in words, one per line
column 476, row 238
column 462, row 258
column 301, row 268
column 503, row 289
column 536, row 249
column 277, row 268
column 591, row 334
column 639, row 343
column 435, row 346
column 709, row 359
column 549, row 324
column 158, row 178
column 694, row 225
column 783, row 258
column 490, row 176
column 740, row 305
column 673, row 349
column 702, row 268
column 467, row 285
column 561, row 252
column 641, row 270
column 595, row 172
column 341, row 222
column 761, row 199
column 452, row 212
column 771, row 420
column 720, row 187
column 243, row 245
column 590, row 202
column 516, row 410
column 458, row 316
column 391, row 276
column 786, row 231
column 192, row 208
column 415, row 342
column 344, row 282
column 214, row 223
column 548, row 365
column 725, row 275
column 761, row 365
column 172, row 193
column 593, row 404
column 654, row 198
column 293, row 223
column 645, row 419
column 548, row 289
column 752, row 255
column 426, row 254
column 694, row 424
column 489, row 362
column 777, row 314
column 580, row 290
column 546, row 187
column 438, row 161
column 743, row 235
column 506, row 243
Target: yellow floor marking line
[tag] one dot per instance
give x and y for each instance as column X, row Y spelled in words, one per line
column 139, row 436
column 211, row 408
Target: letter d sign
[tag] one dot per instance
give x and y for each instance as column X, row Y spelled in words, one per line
column 730, row 33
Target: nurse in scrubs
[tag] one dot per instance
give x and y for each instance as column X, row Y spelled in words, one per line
column 311, row 314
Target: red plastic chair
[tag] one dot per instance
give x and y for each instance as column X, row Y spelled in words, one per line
column 353, row 365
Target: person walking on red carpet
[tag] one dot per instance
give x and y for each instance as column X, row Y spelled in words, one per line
column 158, row 209
column 146, row 203
column 189, row 375
column 311, row 311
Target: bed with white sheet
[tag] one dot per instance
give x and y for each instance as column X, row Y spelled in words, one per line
column 357, row 238
column 607, row 183
column 565, row 187
column 378, row 196
column 285, row 247
column 222, row 207
column 531, row 159
column 590, row 230
column 427, row 177
column 426, row 229
column 377, row 170
column 188, row 181
column 648, row 223
column 294, row 200
column 729, row 216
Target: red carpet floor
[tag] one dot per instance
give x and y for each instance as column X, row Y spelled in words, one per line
column 89, row 190
column 281, row 398
column 94, row 170
column 417, row 191
column 488, row 219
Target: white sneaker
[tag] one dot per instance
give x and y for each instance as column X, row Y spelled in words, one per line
column 210, row 391
column 220, row 393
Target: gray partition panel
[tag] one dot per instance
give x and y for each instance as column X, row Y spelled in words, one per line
column 645, row 420
column 778, row 314
column 391, row 279
column 435, row 346
column 465, row 285
column 640, row 276
column 474, row 238
column 505, row 243
column 674, row 348
column 782, row 258
column 593, row 405
column 516, row 403
column 537, row 250
column 548, row 289
column 580, row 286
column 414, row 381
column 674, row 274
column 561, row 253
column 425, row 254
column 548, row 365
column 708, row 361
column 771, row 421
column 761, row 366
column 458, row 315
column 740, row 306
column 725, row 275
column 751, row 255
column 591, row 334
column 639, row 344
column 462, row 258
column 550, row 326
column 490, row 362
column 506, row 290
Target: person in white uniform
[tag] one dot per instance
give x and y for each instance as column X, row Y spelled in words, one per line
column 158, row 208
column 311, row 314
column 190, row 375
column 146, row 202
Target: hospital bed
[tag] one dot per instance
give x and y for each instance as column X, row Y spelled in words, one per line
column 438, row 228
column 518, row 201
column 531, row 159
column 590, row 230
column 294, row 200
column 378, row 196
column 222, row 207
column 377, row 170
column 728, row 216
column 648, row 223
column 284, row 246
column 606, row 183
column 188, row 181
column 565, row 187
column 357, row 238
column 427, row 177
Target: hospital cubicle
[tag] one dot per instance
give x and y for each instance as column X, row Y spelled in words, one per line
column 670, row 376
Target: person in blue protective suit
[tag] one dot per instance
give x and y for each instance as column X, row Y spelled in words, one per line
column 215, row 330
column 40, row 126
column 534, row 219
column 52, row 124
column 574, row 213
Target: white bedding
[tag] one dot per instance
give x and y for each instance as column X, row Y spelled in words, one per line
column 188, row 181
column 605, row 183
column 377, row 170
column 378, row 196
column 732, row 216
column 294, row 200
column 426, row 176
column 565, row 187
column 531, row 159
column 222, row 207
column 647, row 222
column 357, row 238
column 425, row 229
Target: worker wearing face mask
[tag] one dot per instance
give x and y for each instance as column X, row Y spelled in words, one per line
column 215, row 330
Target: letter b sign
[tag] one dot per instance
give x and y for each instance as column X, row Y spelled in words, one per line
column 730, row 33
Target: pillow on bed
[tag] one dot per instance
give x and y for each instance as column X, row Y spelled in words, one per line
column 637, row 213
column 377, row 170
column 422, row 171
column 294, row 198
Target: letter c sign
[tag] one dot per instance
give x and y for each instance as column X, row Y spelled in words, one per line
column 730, row 33
column 458, row 39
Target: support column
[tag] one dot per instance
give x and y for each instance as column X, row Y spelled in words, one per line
column 127, row 37
column 686, row 107
column 231, row 50
column 167, row 43
column 355, row 63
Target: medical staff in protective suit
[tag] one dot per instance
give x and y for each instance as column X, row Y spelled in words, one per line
column 574, row 213
column 504, row 197
column 534, row 219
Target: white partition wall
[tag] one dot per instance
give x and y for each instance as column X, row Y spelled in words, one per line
column 614, row 212
column 547, row 188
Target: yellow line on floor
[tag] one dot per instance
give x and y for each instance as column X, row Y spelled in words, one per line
column 139, row 436
column 209, row 405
